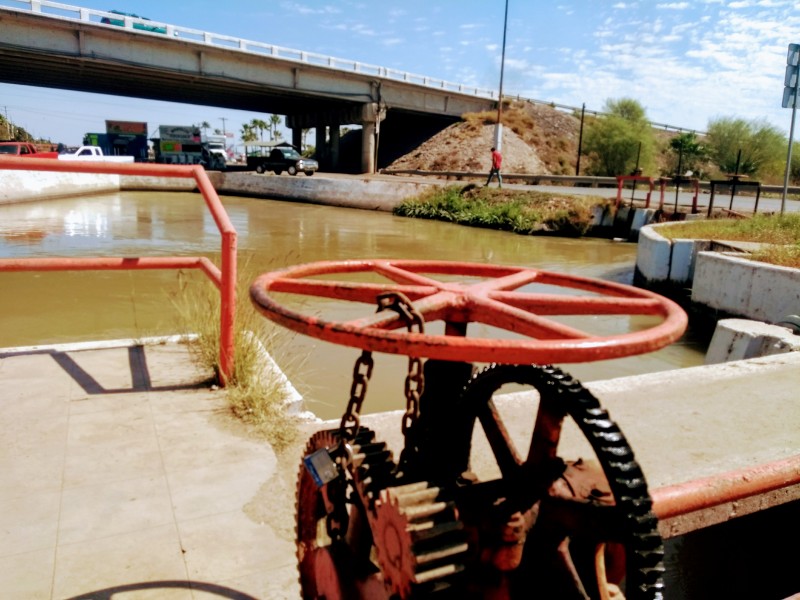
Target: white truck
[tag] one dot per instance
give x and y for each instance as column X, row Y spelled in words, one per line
column 94, row 153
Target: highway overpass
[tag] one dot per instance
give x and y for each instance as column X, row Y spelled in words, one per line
column 48, row 44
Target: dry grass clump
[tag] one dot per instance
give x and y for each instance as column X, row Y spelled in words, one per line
column 779, row 233
column 256, row 390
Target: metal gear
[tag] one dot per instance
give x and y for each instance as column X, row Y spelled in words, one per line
column 419, row 541
column 340, row 566
column 581, row 520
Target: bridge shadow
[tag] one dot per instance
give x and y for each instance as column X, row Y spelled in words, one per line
column 141, row 380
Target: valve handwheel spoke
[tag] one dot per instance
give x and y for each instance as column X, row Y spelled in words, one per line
column 470, row 293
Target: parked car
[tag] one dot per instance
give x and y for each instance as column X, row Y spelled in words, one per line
column 27, row 149
column 268, row 157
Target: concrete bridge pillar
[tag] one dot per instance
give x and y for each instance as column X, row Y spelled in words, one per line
column 371, row 116
column 297, row 137
column 334, row 146
column 322, row 143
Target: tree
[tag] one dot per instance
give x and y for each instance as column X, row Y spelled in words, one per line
column 248, row 133
column 621, row 141
column 274, row 121
column 688, row 153
column 753, row 148
column 259, row 125
column 794, row 168
column 204, row 126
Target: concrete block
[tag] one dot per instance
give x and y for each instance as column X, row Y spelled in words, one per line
column 723, row 282
column 736, row 285
column 642, row 217
column 775, row 293
column 653, row 255
column 684, row 258
column 738, row 339
column 682, row 264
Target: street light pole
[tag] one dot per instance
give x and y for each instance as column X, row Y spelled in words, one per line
column 498, row 131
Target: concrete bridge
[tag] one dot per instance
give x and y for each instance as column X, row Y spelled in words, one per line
column 48, row 44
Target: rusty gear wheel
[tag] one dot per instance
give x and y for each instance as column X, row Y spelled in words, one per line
column 334, row 541
column 419, row 541
column 388, row 542
column 589, row 529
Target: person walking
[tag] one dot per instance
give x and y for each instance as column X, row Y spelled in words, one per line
column 497, row 162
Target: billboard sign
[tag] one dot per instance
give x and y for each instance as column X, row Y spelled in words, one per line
column 130, row 127
column 179, row 133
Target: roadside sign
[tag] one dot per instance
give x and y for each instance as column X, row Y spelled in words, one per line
column 793, row 56
column 788, row 97
column 790, row 79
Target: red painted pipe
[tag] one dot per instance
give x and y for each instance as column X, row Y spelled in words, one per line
column 699, row 494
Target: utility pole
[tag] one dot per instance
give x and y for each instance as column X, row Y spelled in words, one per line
column 8, row 124
column 580, row 142
column 224, row 132
column 498, row 132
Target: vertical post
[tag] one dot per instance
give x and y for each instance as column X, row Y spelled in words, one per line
column 580, row 142
column 498, row 131
column 791, row 137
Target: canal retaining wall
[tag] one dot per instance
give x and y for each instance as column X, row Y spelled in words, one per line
column 24, row 186
column 718, row 275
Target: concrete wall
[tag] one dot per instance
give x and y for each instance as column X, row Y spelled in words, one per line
column 348, row 192
column 723, row 281
column 732, row 284
column 20, row 186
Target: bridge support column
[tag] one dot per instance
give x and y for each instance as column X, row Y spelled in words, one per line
column 334, row 148
column 371, row 116
column 297, row 138
column 322, row 146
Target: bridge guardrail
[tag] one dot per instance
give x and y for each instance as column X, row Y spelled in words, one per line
column 88, row 15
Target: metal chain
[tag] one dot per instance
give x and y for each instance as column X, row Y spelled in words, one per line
column 362, row 371
column 415, row 380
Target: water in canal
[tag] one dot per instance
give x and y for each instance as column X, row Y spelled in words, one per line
column 37, row 308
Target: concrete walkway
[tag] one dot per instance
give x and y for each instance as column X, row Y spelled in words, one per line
column 123, row 474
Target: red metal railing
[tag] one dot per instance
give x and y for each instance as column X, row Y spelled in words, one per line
column 224, row 278
column 621, row 179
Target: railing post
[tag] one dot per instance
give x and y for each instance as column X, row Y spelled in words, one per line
column 227, row 307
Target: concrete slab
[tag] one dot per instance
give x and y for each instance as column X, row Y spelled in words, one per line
column 128, row 477
column 121, row 470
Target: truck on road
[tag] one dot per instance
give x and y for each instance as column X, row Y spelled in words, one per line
column 26, row 149
column 263, row 157
column 94, row 153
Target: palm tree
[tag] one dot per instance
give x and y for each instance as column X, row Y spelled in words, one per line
column 260, row 126
column 204, row 126
column 248, row 133
column 274, row 121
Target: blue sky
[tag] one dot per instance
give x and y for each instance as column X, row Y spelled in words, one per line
column 685, row 62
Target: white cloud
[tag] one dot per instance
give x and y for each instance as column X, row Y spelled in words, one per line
column 673, row 6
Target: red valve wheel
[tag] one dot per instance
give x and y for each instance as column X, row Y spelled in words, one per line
column 491, row 296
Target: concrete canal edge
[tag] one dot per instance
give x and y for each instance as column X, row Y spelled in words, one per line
column 745, row 302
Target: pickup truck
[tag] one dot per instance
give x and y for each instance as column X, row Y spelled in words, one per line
column 93, row 153
column 26, row 149
column 279, row 159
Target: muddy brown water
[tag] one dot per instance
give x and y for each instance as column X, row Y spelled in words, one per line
column 40, row 308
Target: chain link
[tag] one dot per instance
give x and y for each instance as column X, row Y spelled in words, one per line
column 362, row 371
column 415, row 380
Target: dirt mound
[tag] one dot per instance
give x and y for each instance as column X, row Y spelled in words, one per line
column 537, row 139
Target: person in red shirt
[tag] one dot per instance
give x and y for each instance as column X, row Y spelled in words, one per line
column 497, row 161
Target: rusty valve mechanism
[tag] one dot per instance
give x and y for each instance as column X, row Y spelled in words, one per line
column 538, row 525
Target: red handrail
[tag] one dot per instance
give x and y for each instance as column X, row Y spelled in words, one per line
column 224, row 278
